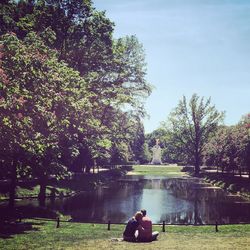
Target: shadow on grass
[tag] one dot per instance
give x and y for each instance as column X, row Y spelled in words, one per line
column 11, row 219
column 9, row 229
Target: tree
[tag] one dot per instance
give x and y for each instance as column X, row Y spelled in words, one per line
column 245, row 122
column 228, row 148
column 216, row 149
column 41, row 99
column 191, row 124
column 70, row 93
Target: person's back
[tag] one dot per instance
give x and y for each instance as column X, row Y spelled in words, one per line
column 146, row 233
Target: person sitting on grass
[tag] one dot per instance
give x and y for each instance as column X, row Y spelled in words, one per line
column 146, row 234
column 132, row 226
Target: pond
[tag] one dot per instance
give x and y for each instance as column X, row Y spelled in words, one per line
column 173, row 200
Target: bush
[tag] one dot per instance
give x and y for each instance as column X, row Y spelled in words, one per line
column 233, row 188
column 222, row 184
column 116, row 173
column 213, row 182
column 188, row 169
column 127, row 167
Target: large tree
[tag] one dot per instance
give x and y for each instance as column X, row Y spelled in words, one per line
column 41, row 99
column 191, row 123
column 69, row 91
column 229, row 148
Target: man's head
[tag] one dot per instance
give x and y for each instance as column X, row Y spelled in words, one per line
column 138, row 216
column 144, row 212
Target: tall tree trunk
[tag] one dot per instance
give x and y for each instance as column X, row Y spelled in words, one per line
column 42, row 193
column 197, row 163
column 87, row 169
column 13, row 183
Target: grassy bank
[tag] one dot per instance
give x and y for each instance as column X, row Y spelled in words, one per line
column 155, row 170
column 80, row 182
column 84, row 182
column 233, row 184
column 44, row 235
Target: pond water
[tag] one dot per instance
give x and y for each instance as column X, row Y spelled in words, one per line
column 173, row 200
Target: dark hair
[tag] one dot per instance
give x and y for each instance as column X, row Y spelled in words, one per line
column 138, row 216
column 144, row 212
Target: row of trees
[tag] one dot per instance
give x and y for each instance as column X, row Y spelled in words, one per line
column 194, row 134
column 71, row 95
column 229, row 148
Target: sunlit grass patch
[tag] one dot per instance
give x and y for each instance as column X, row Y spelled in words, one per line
column 157, row 170
column 45, row 235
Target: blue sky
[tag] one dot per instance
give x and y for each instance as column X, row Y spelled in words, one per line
column 191, row 46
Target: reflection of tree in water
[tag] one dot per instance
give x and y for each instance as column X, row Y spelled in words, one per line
column 184, row 217
column 182, row 201
column 205, row 200
column 211, row 204
column 106, row 204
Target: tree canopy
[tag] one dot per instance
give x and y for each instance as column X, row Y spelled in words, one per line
column 70, row 94
column 190, row 125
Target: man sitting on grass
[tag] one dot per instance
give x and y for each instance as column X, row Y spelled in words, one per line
column 145, row 231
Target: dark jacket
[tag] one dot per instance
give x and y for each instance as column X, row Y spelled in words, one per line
column 131, row 227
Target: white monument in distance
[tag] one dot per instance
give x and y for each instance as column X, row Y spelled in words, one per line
column 156, row 153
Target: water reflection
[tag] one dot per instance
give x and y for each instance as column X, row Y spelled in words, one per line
column 175, row 201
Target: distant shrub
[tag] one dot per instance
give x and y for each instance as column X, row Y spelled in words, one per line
column 213, row 182
column 233, row 188
column 222, row 184
column 188, row 169
column 127, row 167
column 208, row 179
column 116, row 173
column 180, row 163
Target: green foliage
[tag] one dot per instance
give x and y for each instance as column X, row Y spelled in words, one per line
column 228, row 148
column 71, row 96
column 233, row 188
column 190, row 125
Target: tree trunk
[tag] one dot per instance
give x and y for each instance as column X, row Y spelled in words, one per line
column 42, row 193
column 197, row 164
column 13, row 183
column 87, row 169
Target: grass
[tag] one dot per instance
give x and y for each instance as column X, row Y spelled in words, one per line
column 79, row 183
column 44, row 235
column 162, row 170
column 34, row 191
column 36, row 234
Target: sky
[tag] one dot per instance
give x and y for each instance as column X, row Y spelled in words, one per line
column 191, row 46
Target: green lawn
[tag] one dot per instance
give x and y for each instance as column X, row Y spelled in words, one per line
column 36, row 234
column 80, row 183
column 155, row 170
column 44, row 235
